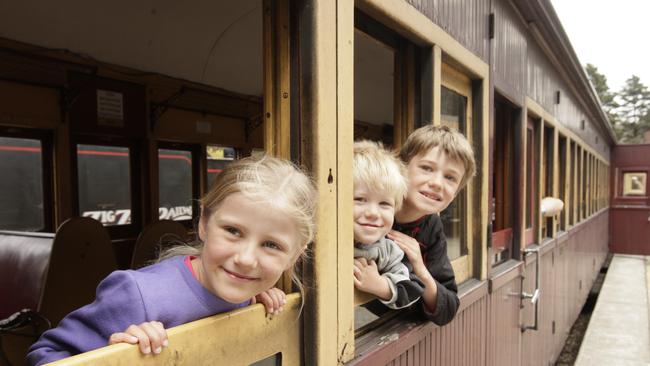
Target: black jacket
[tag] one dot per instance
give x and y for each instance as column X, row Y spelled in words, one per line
column 428, row 231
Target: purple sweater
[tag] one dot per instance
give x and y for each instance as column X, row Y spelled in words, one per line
column 166, row 292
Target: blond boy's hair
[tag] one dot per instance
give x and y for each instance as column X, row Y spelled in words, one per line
column 379, row 170
column 452, row 142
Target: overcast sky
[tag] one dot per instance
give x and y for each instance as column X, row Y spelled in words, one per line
column 612, row 35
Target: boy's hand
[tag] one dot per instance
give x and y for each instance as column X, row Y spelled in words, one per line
column 150, row 336
column 273, row 299
column 368, row 279
column 411, row 248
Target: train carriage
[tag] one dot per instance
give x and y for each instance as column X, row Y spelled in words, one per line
column 124, row 112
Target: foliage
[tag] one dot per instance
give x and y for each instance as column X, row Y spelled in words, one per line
column 628, row 110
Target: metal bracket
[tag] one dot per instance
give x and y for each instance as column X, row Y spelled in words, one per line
column 534, row 297
column 158, row 109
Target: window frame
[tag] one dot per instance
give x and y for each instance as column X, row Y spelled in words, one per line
column 195, row 151
column 46, row 139
column 504, row 156
column 456, row 81
column 530, row 180
column 138, row 200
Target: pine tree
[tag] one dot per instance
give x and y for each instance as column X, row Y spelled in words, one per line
column 634, row 110
column 607, row 98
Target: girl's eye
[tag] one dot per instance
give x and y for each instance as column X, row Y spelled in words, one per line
column 271, row 245
column 426, row 168
column 359, row 199
column 386, row 204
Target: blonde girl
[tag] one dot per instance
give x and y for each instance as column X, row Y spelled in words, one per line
column 255, row 223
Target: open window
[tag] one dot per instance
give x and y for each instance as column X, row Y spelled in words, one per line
column 503, row 180
column 548, row 164
column 384, row 110
column 532, row 158
column 562, row 183
column 572, row 183
column 456, row 104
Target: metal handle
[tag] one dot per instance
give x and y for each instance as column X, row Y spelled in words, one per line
column 534, row 297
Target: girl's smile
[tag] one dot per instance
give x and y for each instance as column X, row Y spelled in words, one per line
column 248, row 244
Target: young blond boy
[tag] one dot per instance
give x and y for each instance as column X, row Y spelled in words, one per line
column 379, row 189
column 439, row 163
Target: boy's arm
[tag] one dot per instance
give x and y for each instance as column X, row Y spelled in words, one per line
column 118, row 304
column 440, row 298
column 406, row 291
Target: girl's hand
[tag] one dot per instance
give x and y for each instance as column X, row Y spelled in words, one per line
column 273, row 299
column 368, row 279
column 410, row 247
column 150, row 336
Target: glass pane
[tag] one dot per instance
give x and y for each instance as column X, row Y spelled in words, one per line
column 454, row 115
column 175, row 184
column 218, row 158
column 104, row 183
column 374, row 68
column 21, row 189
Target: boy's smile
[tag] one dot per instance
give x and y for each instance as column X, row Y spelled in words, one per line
column 434, row 179
column 373, row 214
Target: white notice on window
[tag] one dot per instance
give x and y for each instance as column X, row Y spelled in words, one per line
column 110, row 108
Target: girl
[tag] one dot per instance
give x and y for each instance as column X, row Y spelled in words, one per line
column 255, row 223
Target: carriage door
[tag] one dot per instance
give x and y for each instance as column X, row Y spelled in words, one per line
column 630, row 203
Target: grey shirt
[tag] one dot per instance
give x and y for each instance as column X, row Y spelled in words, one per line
column 388, row 257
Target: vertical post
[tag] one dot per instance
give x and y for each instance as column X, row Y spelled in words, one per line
column 326, row 53
column 437, row 85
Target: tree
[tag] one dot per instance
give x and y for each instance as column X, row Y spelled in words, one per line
column 607, row 98
column 634, row 110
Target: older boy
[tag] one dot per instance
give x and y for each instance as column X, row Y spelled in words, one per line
column 440, row 162
column 379, row 189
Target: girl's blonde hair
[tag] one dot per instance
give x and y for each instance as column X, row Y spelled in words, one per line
column 265, row 179
column 379, row 170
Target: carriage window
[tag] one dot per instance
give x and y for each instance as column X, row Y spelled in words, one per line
column 104, row 179
column 547, row 182
column 454, row 115
column 175, row 184
column 21, row 189
column 218, row 158
column 531, row 183
column 503, row 182
column 572, row 183
column 374, row 67
column 561, row 225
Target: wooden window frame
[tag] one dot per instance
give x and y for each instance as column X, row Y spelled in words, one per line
column 531, row 184
column 460, row 83
column 563, row 179
column 504, row 178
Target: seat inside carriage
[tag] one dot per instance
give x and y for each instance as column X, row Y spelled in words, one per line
column 46, row 276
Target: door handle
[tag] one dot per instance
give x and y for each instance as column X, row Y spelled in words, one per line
column 534, row 297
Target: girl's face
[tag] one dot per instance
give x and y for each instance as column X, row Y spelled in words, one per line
column 247, row 247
